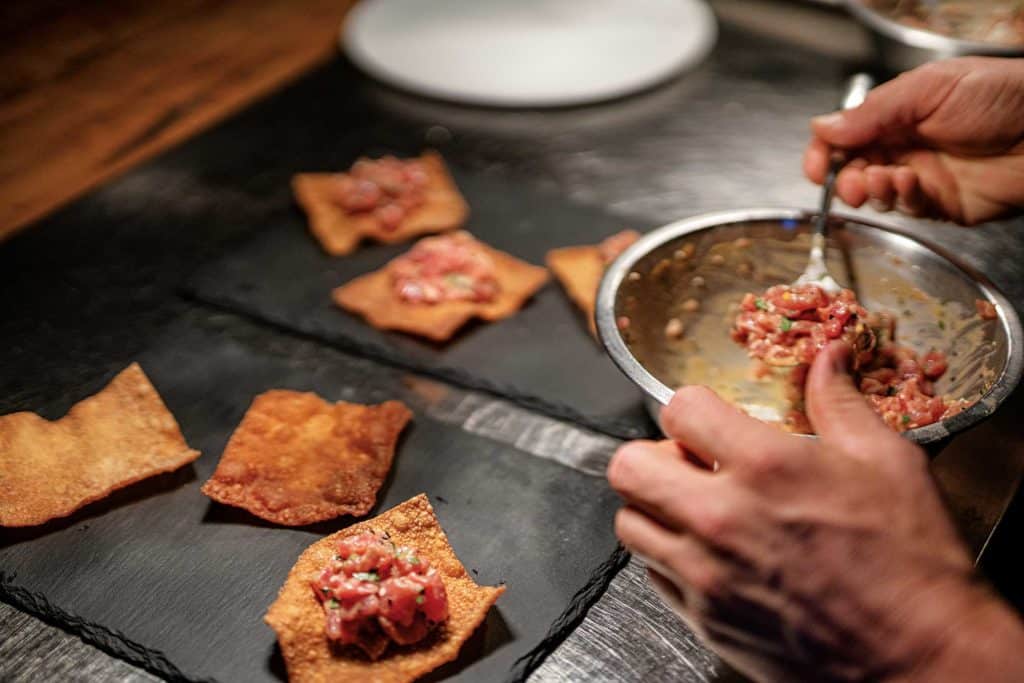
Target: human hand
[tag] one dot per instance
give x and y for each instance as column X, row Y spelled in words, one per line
column 945, row 140
column 810, row 559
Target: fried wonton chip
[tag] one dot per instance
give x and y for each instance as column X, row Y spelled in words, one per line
column 296, row 459
column 340, row 232
column 373, row 297
column 298, row 618
column 119, row 436
column 580, row 270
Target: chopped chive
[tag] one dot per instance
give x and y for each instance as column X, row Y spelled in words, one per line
column 420, row 599
column 761, row 303
column 787, row 324
column 906, row 419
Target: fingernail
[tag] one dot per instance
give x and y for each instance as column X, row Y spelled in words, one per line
column 828, row 120
column 879, row 205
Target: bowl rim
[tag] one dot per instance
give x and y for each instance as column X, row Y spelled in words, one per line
column 924, row 39
column 616, row 347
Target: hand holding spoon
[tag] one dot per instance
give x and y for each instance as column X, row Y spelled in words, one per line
column 816, row 272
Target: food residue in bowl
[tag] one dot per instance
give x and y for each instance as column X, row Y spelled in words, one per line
column 1000, row 22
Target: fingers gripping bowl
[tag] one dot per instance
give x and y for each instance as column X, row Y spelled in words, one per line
column 666, row 305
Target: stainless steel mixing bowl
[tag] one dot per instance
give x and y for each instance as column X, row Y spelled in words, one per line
column 901, row 48
column 716, row 258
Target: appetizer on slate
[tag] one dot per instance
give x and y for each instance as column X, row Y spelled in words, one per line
column 119, row 436
column 385, row 600
column 580, row 269
column 388, row 200
column 441, row 284
column 296, row 459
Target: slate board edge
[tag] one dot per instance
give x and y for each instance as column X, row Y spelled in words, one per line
column 614, row 428
column 574, row 613
column 155, row 662
column 112, row 642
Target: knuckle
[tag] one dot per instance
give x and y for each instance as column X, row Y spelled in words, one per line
column 707, row 578
column 675, row 417
column 765, row 462
column 713, row 522
column 625, row 468
column 623, row 526
column 926, row 71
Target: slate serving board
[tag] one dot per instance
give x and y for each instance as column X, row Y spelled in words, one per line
column 543, row 357
column 162, row 576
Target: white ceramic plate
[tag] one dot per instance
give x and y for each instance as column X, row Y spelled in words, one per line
column 526, row 53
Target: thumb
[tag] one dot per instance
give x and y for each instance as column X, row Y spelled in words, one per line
column 837, row 411
column 892, row 111
column 850, row 129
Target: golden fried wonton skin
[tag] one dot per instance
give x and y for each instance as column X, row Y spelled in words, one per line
column 298, row 618
column 296, row 459
column 119, row 436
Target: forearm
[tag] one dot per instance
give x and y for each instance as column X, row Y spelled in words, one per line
column 983, row 643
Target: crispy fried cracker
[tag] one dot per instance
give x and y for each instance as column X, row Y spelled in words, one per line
column 298, row 619
column 119, row 436
column 340, row 232
column 580, row 270
column 373, row 297
column 296, row 459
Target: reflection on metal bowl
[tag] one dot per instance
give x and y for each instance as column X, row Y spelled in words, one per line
column 693, row 271
column 900, row 47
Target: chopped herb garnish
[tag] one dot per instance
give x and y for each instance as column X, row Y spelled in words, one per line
column 942, row 324
column 787, row 324
column 420, row 599
column 458, row 280
column 906, row 419
column 333, row 604
column 761, row 303
column 413, row 559
column 366, row 576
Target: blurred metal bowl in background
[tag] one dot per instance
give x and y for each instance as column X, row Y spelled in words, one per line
column 716, row 258
column 901, row 48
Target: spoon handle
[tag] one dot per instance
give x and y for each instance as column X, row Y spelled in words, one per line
column 857, row 89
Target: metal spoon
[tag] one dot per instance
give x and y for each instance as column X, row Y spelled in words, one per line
column 816, row 272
